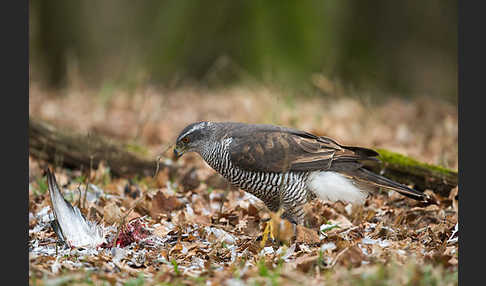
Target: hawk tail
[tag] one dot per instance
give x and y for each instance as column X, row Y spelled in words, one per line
column 367, row 177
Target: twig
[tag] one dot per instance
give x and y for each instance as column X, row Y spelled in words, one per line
column 159, row 156
column 88, row 181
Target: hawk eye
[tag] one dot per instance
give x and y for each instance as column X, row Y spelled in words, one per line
column 185, row 140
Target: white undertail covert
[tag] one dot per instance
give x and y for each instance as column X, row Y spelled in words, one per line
column 332, row 187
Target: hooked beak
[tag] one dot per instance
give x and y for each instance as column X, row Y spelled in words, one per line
column 178, row 151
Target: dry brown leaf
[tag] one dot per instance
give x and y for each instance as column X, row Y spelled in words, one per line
column 112, row 213
column 307, row 235
column 251, row 226
column 162, row 230
column 132, row 215
column 306, row 262
column 198, row 219
column 176, row 248
column 163, row 204
column 162, row 178
column 352, row 257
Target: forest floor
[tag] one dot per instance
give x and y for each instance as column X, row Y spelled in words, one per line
column 203, row 232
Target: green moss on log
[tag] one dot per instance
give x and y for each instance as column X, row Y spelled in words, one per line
column 421, row 175
column 136, row 148
column 408, row 162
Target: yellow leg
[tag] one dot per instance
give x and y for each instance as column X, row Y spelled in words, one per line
column 268, row 231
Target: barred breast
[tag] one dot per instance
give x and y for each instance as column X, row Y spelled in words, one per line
column 272, row 188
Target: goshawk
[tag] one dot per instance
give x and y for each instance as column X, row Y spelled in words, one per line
column 285, row 167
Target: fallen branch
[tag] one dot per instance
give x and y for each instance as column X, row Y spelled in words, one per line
column 409, row 171
column 74, row 150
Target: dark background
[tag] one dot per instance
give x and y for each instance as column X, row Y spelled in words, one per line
column 403, row 48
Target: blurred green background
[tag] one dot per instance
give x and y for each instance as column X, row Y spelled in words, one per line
column 404, row 48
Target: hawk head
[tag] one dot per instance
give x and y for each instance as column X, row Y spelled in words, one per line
column 193, row 138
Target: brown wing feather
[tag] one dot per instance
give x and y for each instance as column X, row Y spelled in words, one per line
column 292, row 150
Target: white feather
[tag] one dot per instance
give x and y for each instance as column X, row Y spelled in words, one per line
column 332, row 187
column 77, row 231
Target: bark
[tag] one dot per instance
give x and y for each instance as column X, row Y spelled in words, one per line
column 72, row 150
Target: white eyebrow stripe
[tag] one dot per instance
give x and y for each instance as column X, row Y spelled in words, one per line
column 196, row 127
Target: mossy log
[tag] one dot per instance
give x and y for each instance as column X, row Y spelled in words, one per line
column 420, row 175
column 73, row 150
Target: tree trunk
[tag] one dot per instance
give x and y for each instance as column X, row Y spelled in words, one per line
column 73, row 150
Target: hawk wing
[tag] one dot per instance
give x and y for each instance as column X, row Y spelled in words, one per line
column 285, row 150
